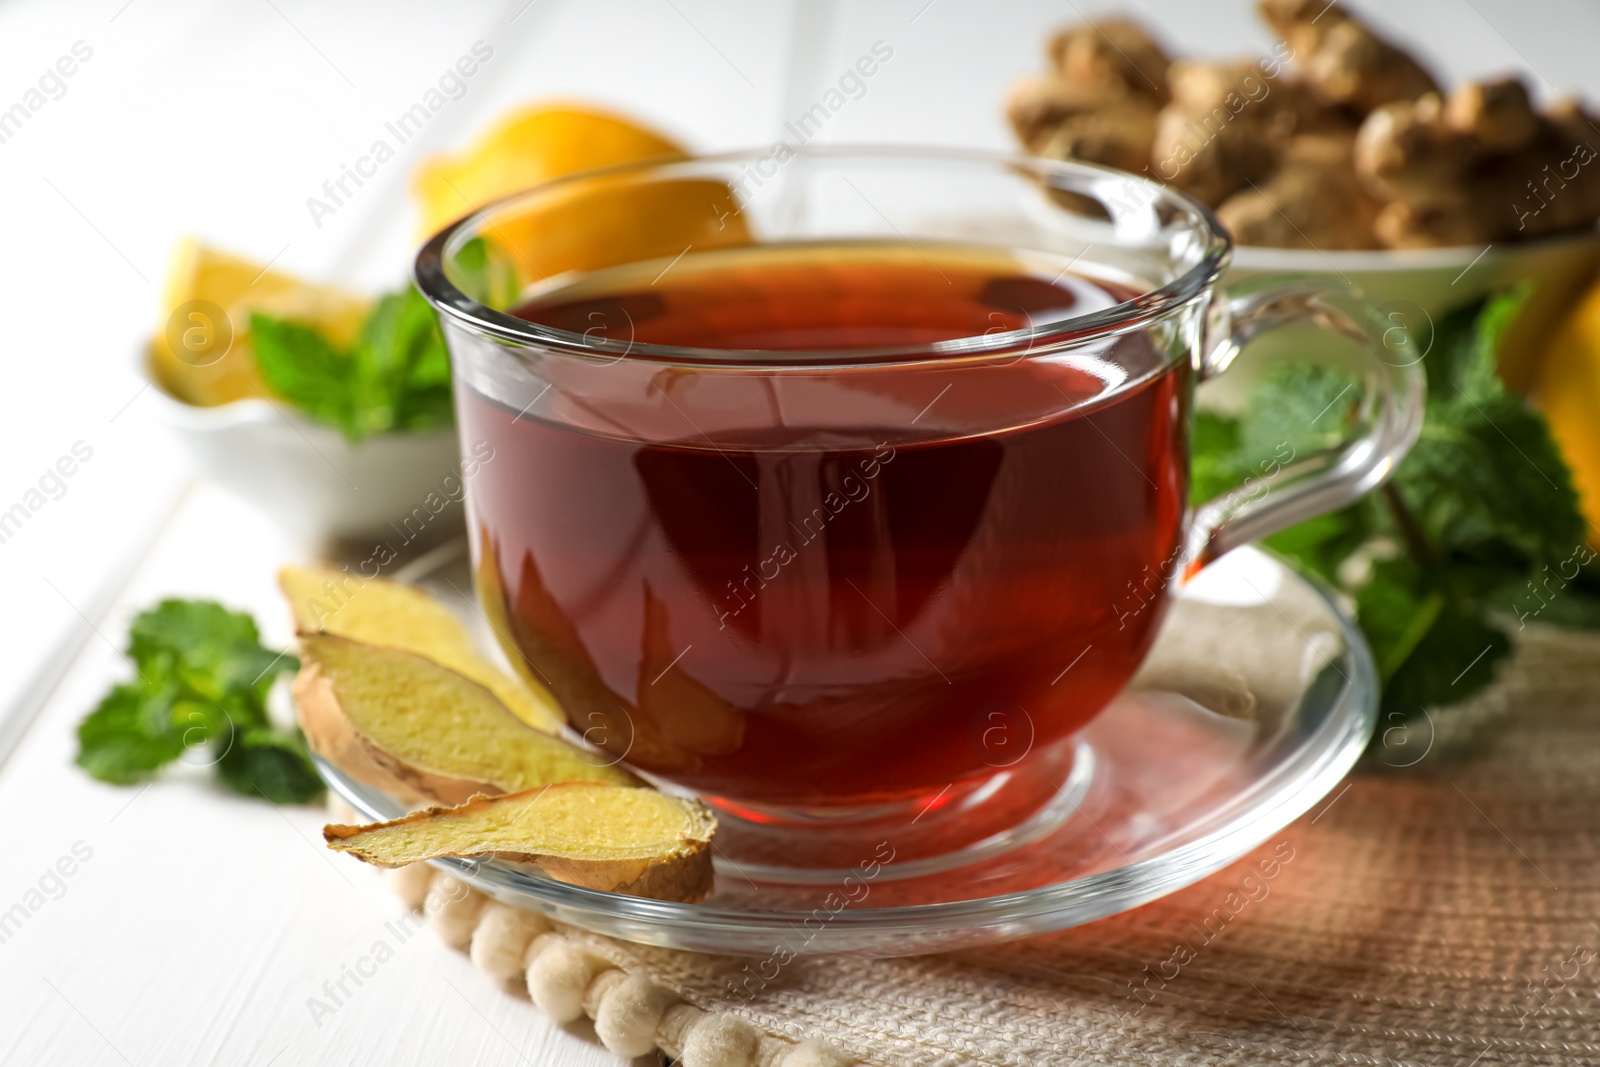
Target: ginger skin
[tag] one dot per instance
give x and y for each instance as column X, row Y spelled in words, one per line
column 1114, row 57
column 1354, row 148
column 1344, row 62
column 1226, row 127
column 1100, row 99
column 1312, row 201
column 1060, row 120
column 1115, row 135
column 1481, row 166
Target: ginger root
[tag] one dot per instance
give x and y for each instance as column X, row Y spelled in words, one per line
column 1224, row 129
column 1114, row 135
column 1353, row 148
column 1497, row 115
column 1039, row 103
column 380, row 612
column 1344, row 63
column 1100, row 99
column 1481, row 166
column 1313, row 200
column 393, row 716
column 601, row 836
column 1114, row 57
column 402, row 723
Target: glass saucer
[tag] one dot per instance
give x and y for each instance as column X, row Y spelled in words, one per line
column 1258, row 697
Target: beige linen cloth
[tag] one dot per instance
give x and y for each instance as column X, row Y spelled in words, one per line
column 1442, row 913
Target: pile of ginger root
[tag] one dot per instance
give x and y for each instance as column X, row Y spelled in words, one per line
column 1337, row 140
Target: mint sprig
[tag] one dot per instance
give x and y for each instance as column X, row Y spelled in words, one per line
column 396, row 378
column 202, row 685
column 1477, row 533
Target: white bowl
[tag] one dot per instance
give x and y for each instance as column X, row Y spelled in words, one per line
column 1416, row 287
column 312, row 482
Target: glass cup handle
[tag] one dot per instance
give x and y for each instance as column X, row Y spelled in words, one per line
column 1388, row 419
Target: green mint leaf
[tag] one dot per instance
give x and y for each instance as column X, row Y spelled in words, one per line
column 1213, row 456
column 208, row 724
column 486, row 274
column 301, row 366
column 1486, row 479
column 395, row 378
column 1563, row 593
column 1478, row 530
column 1457, row 657
column 179, row 627
column 1296, row 410
column 1453, row 343
column 402, row 367
column 1322, row 544
column 215, row 652
column 428, row 365
column 1430, row 650
column 424, row 398
column 1461, row 354
column 204, row 679
column 377, row 364
column 1579, row 611
column 1396, row 610
column 270, row 763
column 126, row 737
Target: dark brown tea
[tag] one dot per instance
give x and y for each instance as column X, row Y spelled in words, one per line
column 858, row 585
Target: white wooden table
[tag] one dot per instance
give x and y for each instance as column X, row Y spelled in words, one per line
column 194, row 926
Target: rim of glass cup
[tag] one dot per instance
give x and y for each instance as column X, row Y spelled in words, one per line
column 1065, row 175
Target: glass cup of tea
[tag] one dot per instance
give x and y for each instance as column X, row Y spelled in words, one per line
column 841, row 484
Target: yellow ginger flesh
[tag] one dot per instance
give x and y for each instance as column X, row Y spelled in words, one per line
column 606, row 837
column 579, row 821
column 436, row 720
column 381, row 612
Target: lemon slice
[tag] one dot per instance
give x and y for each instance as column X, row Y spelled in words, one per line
column 201, row 352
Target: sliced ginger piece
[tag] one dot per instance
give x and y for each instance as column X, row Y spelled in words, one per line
column 402, row 723
column 684, row 712
column 380, row 612
column 606, row 837
column 676, row 721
